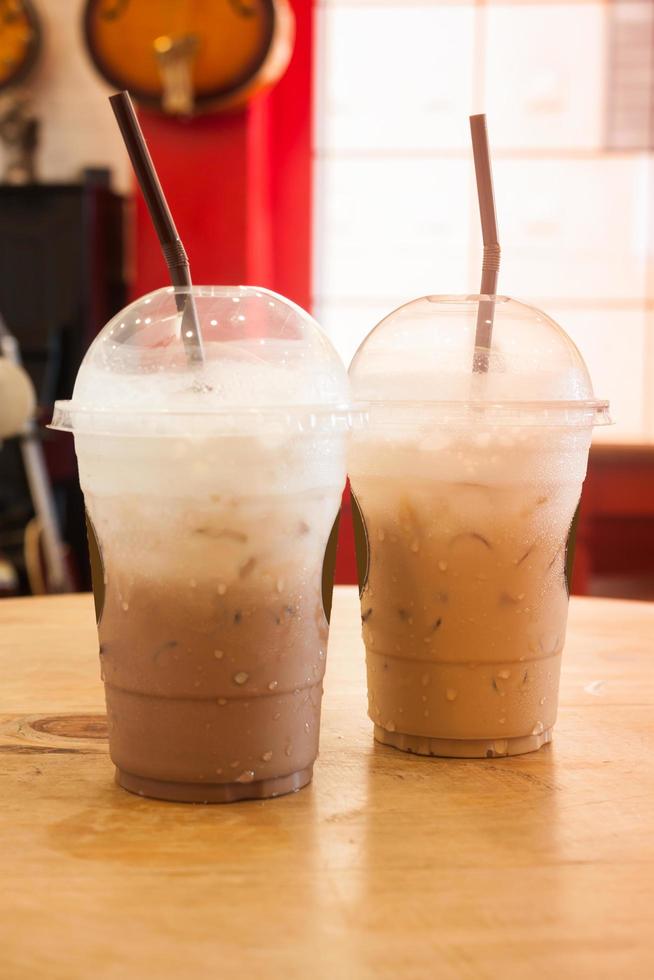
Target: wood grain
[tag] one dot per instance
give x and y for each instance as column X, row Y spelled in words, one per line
column 388, row 866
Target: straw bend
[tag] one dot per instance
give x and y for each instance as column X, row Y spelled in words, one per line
column 491, row 259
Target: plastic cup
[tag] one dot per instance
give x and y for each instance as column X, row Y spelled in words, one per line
column 211, row 492
column 467, row 486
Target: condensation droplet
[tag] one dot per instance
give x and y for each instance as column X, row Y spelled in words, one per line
column 538, row 728
column 235, row 764
column 307, row 727
column 219, row 772
column 390, row 726
column 280, row 585
column 424, row 680
column 193, row 583
column 272, row 685
column 219, row 654
column 504, row 674
column 222, row 588
column 241, row 677
column 501, row 746
column 124, row 606
column 450, row 694
column 502, row 721
column 288, row 749
column 276, row 716
column 415, row 547
column 442, row 565
column 426, row 713
column 542, row 700
column 247, row 776
column 221, row 701
column 267, row 756
column 423, row 698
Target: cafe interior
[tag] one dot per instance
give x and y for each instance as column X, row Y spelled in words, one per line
column 321, row 149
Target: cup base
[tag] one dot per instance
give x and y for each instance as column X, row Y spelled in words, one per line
column 261, row 789
column 463, row 748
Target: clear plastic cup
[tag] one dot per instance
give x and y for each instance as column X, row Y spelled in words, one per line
column 212, row 492
column 466, row 486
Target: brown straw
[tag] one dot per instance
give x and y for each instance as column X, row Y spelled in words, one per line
column 491, row 263
column 162, row 219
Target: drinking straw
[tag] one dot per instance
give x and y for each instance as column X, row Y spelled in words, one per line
column 162, row 219
column 491, row 261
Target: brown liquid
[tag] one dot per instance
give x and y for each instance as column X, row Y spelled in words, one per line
column 214, row 681
column 464, row 613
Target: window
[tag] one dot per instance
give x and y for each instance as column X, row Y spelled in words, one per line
column 396, row 210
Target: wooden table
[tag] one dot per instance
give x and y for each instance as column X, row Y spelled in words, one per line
column 388, row 866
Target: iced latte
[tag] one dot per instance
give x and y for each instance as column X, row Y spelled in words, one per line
column 467, row 508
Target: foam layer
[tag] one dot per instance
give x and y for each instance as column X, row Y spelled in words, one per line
column 267, row 365
column 422, row 354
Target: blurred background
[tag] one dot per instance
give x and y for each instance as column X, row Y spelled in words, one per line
column 323, row 150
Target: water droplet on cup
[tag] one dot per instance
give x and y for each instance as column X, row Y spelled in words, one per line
column 538, row 728
column 450, row 694
column 247, row 776
column 267, row 756
column 442, row 566
column 504, row 674
column 272, row 685
column 222, row 701
column 219, row 654
column 222, row 588
column 241, row 677
column 124, row 606
column 390, row 726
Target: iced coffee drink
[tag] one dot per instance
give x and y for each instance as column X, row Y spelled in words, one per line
column 212, row 493
column 467, row 489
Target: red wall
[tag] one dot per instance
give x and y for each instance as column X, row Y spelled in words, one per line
column 239, row 186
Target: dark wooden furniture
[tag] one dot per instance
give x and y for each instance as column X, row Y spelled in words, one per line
column 616, row 525
column 61, row 279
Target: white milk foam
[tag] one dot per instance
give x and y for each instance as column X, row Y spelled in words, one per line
column 256, row 420
column 235, row 376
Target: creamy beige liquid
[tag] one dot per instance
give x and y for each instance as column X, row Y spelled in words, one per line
column 465, row 607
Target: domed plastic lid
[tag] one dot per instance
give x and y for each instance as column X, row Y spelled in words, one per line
column 420, row 358
column 266, row 363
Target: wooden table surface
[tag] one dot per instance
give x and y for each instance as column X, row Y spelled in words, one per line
column 388, row 866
